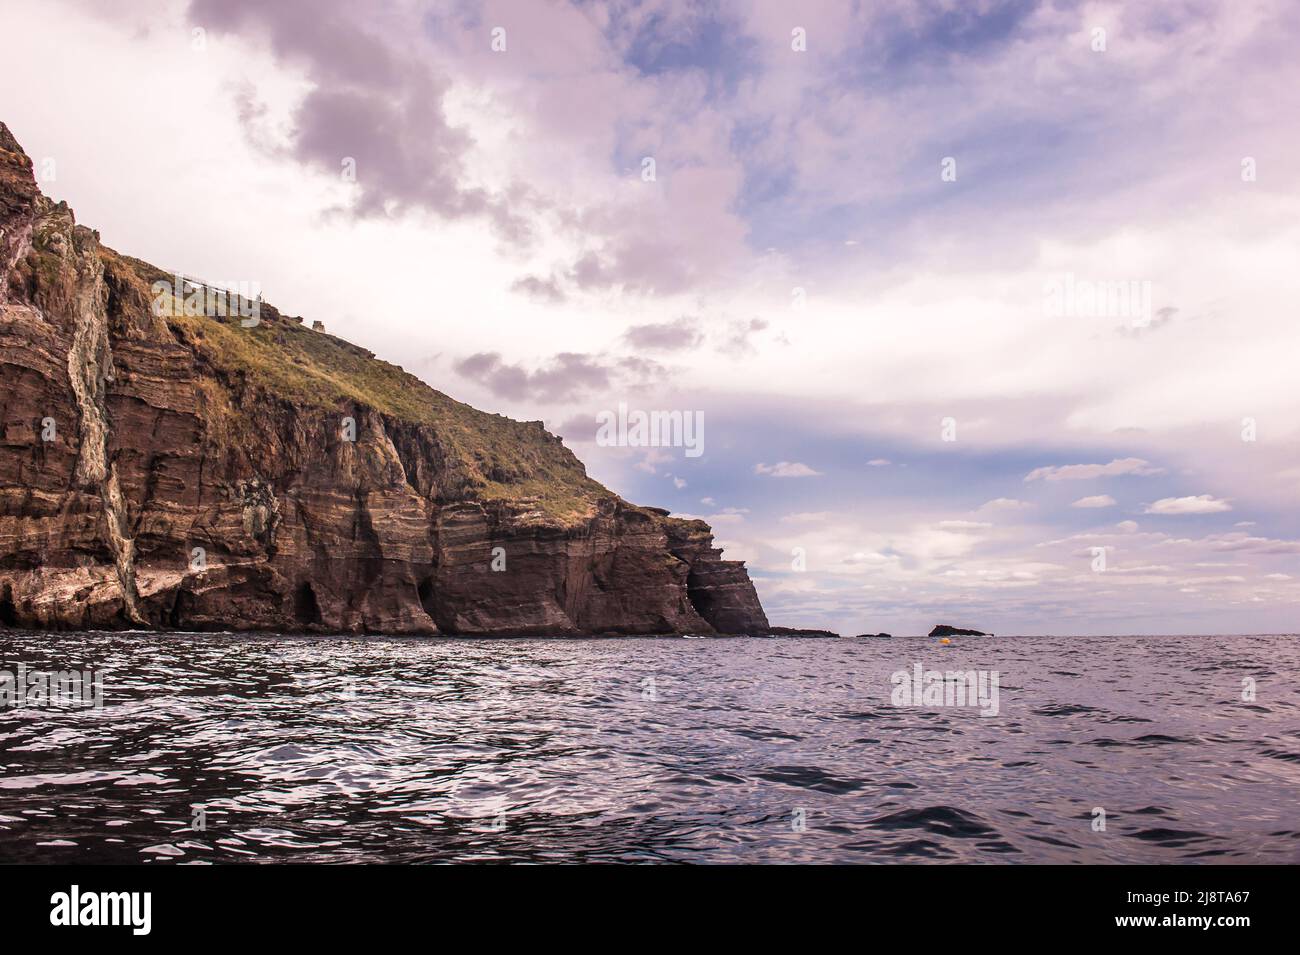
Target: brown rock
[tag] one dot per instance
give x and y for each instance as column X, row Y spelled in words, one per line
column 185, row 472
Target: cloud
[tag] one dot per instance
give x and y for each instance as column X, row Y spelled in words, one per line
column 1239, row 543
column 1080, row 472
column 1097, row 500
column 368, row 103
column 1004, row 504
column 869, row 558
column 566, row 376
column 964, row 525
column 805, row 517
column 1162, row 317
column 1200, row 504
column 786, row 469
column 739, row 337
column 664, row 336
column 725, row 518
column 651, row 458
column 878, row 463
column 539, row 289
column 728, row 515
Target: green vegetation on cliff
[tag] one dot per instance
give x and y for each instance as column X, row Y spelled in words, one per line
column 504, row 459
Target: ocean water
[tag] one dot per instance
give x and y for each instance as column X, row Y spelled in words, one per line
column 224, row 748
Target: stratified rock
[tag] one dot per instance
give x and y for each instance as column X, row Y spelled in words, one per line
column 188, row 471
column 943, row 630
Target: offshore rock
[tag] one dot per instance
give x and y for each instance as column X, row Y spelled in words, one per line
column 802, row 632
column 943, row 630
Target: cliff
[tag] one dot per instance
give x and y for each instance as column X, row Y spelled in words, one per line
column 184, row 471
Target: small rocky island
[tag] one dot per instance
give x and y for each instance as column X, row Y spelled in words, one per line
column 802, row 632
column 943, row 630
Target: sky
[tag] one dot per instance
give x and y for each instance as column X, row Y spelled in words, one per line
column 985, row 311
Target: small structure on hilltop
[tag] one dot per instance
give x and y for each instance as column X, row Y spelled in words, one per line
column 318, row 325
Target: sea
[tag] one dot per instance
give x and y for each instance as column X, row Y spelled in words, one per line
column 223, row 748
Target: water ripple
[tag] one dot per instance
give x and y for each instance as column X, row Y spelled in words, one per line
column 225, row 748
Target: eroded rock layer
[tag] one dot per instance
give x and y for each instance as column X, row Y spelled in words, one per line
column 160, row 468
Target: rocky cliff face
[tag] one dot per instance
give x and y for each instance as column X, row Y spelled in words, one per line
column 166, row 469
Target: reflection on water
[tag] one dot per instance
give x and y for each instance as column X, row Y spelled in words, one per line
column 215, row 748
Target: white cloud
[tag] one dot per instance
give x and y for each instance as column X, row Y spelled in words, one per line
column 652, row 459
column 871, row 558
column 730, row 515
column 1239, row 542
column 878, row 463
column 1097, row 500
column 806, row 517
column 1080, row 472
column 1004, row 504
column 786, row 469
column 1199, row 504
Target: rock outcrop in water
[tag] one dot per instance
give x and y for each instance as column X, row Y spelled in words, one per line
column 943, row 630
column 802, row 632
column 162, row 467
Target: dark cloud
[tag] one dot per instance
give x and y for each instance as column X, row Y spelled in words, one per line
column 375, row 99
column 567, row 375
column 641, row 371
column 581, row 427
column 539, row 289
column 314, row 32
column 563, row 377
column 369, row 103
column 665, row 336
column 635, row 257
column 591, row 271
